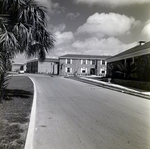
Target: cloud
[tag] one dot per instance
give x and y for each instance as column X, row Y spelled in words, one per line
column 52, row 7
column 63, row 38
column 112, row 3
column 146, row 30
column 63, row 43
column 105, row 46
column 72, row 15
column 58, row 28
column 56, row 8
column 46, row 3
column 111, row 24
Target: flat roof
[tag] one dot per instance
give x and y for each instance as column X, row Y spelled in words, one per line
column 17, row 64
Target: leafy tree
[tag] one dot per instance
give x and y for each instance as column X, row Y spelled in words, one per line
column 25, row 31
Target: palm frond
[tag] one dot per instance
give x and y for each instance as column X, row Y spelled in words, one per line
column 1, row 63
column 30, row 28
column 9, row 43
column 24, row 35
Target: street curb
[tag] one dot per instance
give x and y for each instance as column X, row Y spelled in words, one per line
column 93, row 82
column 31, row 128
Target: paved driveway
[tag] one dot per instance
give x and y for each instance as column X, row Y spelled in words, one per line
column 74, row 115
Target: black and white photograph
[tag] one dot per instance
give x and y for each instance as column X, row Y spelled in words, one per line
column 74, row 74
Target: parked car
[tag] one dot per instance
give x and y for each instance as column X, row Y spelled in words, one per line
column 21, row 71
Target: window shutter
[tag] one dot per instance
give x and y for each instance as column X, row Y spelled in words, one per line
column 90, row 62
column 101, row 62
column 86, row 70
column 66, row 61
column 71, row 61
column 86, row 61
column 81, row 61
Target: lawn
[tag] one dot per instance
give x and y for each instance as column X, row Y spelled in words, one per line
column 15, row 113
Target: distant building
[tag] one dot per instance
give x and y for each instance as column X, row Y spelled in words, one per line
column 49, row 66
column 16, row 67
column 132, row 64
column 71, row 64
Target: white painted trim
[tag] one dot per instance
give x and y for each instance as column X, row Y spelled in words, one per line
column 102, row 69
column 85, row 62
column 70, row 61
column 86, row 70
column 90, row 62
column 100, row 62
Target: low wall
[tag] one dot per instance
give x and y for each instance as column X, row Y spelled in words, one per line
column 133, row 84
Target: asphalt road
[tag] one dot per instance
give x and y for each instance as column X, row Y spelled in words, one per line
column 74, row 115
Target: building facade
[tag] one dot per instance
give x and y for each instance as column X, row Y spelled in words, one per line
column 16, row 67
column 133, row 64
column 49, row 66
column 72, row 64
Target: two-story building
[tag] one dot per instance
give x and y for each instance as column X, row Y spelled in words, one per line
column 73, row 64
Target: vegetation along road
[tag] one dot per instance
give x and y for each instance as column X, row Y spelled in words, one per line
column 73, row 115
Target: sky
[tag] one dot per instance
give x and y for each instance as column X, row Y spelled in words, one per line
column 95, row 27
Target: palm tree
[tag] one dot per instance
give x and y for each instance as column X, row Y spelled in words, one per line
column 25, row 31
column 29, row 27
column 127, row 71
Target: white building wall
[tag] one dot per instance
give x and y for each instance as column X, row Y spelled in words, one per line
column 45, row 67
column 48, row 67
column 55, row 68
column 15, row 67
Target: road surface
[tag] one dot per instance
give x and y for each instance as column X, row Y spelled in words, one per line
column 74, row 115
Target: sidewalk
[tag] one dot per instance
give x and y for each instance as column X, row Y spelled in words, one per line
column 116, row 87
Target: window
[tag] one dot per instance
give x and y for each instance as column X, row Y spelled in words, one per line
column 68, row 61
column 83, row 62
column 83, row 70
column 93, row 62
column 103, row 71
column 103, row 62
column 68, row 69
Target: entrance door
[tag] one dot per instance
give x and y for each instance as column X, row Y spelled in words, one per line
column 92, row 71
